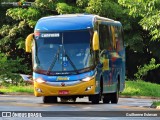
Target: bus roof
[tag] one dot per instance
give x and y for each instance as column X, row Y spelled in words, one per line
column 69, row 22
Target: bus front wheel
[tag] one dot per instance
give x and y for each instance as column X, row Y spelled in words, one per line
column 49, row 99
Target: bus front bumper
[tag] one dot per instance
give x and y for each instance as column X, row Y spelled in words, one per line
column 82, row 88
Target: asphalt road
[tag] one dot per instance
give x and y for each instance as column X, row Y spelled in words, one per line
column 127, row 108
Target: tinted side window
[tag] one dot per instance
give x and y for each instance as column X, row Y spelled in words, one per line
column 119, row 39
column 114, row 37
column 105, row 37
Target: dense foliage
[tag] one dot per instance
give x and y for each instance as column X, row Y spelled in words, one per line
column 140, row 21
column 143, row 70
column 149, row 11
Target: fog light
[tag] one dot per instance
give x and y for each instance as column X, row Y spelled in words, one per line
column 38, row 90
column 88, row 88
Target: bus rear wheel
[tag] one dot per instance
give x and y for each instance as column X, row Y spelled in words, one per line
column 49, row 99
column 106, row 98
column 115, row 97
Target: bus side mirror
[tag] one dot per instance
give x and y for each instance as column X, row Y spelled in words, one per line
column 29, row 42
column 95, row 41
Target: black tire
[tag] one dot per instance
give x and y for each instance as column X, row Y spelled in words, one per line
column 115, row 96
column 95, row 99
column 106, row 98
column 74, row 99
column 49, row 99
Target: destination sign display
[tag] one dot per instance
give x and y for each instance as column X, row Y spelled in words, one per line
column 44, row 35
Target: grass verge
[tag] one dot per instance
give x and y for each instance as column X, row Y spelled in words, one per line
column 156, row 103
column 13, row 89
column 141, row 88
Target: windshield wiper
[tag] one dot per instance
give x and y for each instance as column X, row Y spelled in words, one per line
column 64, row 52
column 53, row 62
column 72, row 64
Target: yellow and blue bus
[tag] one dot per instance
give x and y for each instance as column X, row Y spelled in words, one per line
column 77, row 55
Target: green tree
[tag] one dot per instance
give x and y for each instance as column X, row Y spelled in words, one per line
column 149, row 11
column 10, row 68
column 13, row 59
column 143, row 70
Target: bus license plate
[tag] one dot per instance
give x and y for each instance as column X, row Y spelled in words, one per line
column 63, row 92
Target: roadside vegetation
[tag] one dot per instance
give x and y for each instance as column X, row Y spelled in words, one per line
column 141, row 88
column 16, row 89
column 156, row 103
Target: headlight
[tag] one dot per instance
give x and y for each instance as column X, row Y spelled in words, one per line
column 89, row 78
column 40, row 80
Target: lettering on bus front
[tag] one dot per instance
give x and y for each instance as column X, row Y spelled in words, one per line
column 62, row 78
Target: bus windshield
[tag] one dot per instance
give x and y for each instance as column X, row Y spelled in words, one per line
column 63, row 51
